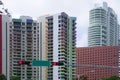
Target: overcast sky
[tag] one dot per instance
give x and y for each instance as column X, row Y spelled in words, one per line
column 76, row 8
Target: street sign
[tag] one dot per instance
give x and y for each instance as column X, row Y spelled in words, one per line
column 40, row 63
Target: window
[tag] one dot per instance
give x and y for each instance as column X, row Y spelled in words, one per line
column 23, row 23
column 34, row 24
column 34, row 28
column 23, row 27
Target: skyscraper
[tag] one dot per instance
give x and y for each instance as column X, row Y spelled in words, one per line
column 61, row 33
column 24, row 45
column 103, row 26
column 43, row 47
column 4, row 44
column 51, row 38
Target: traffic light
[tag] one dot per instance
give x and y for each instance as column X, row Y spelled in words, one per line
column 24, row 62
column 57, row 63
column 21, row 62
column 54, row 63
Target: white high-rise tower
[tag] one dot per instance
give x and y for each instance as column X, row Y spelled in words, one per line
column 103, row 26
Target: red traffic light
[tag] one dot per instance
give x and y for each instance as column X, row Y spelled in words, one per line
column 20, row 62
column 54, row 63
column 24, row 62
column 57, row 63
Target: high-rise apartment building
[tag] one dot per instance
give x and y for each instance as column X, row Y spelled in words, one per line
column 43, row 47
column 5, row 19
column 4, row 44
column 103, row 60
column 51, row 38
column 61, row 44
column 24, row 45
column 103, row 26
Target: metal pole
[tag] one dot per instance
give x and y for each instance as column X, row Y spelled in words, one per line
column 78, row 77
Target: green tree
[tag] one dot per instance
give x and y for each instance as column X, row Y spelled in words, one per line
column 3, row 77
column 111, row 78
column 114, row 78
column 83, row 77
column 104, row 78
column 14, row 78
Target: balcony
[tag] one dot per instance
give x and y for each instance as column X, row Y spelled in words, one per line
column 29, row 58
column 74, row 27
column 49, row 56
column 74, row 31
column 50, row 48
column 62, row 47
column 17, row 29
column 29, row 32
column 16, row 32
column 50, row 43
column 29, row 24
column 50, row 52
column 29, row 43
column 29, row 50
column 74, row 37
column 29, row 29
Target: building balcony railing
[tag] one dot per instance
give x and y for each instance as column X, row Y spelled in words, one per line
column 16, row 29
column 74, row 37
column 62, row 47
column 29, row 29
column 29, row 47
column 50, row 49
column 29, row 55
column 16, row 33
column 50, row 56
column 29, row 42
column 17, row 25
column 29, row 52
column 29, row 32
column 50, row 70
column 30, row 36
column 50, row 52
column 29, row 58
